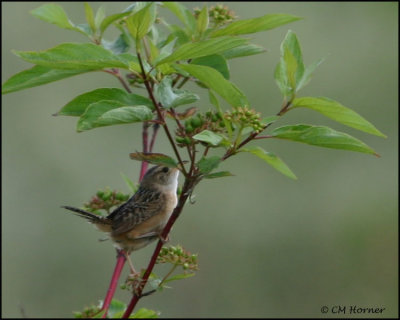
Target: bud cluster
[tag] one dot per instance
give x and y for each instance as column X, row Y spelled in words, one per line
column 210, row 120
column 178, row 256
column 245, row 117
column 219, row 14
column 105, row 200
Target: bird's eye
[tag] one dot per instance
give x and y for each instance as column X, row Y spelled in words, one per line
column 165, row 169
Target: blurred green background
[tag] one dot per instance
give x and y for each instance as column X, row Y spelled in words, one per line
column 268, row 246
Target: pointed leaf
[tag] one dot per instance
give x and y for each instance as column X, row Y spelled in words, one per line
column 54, row 14
column 308, row 73
column 154, row 158
column 171, row 98
column 112, row 18
column 322, row 137
column 90, row 16
column 100, row 15
column 179, row 277
column 219, row 174
column 271, row 159
column 202, row 21
column 215, row 61
column 209, row 137
column 88, row 119
column 290, row 70
column 119, row 45
column 215, row 81
column 74, row 56
column 79, row 104
column 36, row 76
column 131, row 185
column 243, row 51
column 182, row 13
column 203, row 48
column 263, row 23
column 140, row 23
column 206, row 165
column 124, row 115
column 334, row 110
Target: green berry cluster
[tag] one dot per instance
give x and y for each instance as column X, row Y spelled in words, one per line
column 210, row 120
column 88, row 312
column 245, row 117
column 105, row 200
column 177, row 255
column 219, row 14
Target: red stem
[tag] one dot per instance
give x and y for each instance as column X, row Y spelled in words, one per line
column 114, row 282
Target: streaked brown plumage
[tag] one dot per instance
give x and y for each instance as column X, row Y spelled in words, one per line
column 142, row 218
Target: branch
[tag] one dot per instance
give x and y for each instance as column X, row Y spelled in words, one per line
column 160, row 114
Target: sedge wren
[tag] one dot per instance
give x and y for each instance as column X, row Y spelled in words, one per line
column 141, row 219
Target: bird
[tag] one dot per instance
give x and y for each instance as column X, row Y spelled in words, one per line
column 141, row 219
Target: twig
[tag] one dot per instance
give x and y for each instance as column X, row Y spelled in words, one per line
column 160, row 114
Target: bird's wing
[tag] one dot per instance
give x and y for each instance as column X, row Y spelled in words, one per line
column 144, row 204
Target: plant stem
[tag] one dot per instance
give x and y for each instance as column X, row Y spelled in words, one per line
column 121, row 258
column 160, row 115
column 167, row 275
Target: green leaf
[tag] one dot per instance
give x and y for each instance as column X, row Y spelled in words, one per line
column 119, row 45
column 290, row 69
column 109, row 112
column 202, row 21
column 116, row 308
column 183, row 14
column 90, row 17
column 334, row 110
column 179, row 277
column 131, row 185
column 215, row 61
column 78, row 105
column 203, row 48
column 124, row 115
column 206, row 165
column 144, row 313
column 215, row 81
column 243, row 51
column 171, row 98
column 88, row 119
column 219, row 174
column 271, row 159
column 100, row 15
column 110, row 19
column 140, row 23
column 308, row 74
column 55, row 14
column 165, row 51
column 36, row 76
column 209, row 137
column 263, row 23
column 74, row 56
column 154, row 158
column 322, row 137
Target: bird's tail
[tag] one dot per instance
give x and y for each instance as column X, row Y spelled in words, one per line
column 91, row 217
